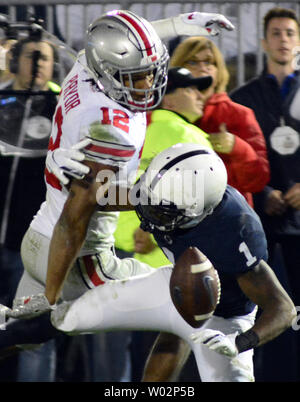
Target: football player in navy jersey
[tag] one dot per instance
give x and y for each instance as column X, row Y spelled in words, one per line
column 216, row 219
column 184, row 199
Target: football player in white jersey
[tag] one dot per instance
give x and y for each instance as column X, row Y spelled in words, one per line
column 120, row 75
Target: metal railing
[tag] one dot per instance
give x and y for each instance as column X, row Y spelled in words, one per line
column 241, row 48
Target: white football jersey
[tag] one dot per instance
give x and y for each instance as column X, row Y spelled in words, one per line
column 117, row 135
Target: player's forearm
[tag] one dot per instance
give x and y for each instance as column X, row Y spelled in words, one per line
column 175, row 26
column 274, row 319
column 192, row 24
column 117, row 199
column 65, row 246
column 264, row 289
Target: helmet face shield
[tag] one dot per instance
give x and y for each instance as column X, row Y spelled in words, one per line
column 149, row 94
column 162, row 217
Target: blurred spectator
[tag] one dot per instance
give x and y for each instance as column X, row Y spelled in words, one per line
column 26, row 76
column 6, row 76
column 274, row 97
column 234, row 132
column 25, row 124
column 146, row 249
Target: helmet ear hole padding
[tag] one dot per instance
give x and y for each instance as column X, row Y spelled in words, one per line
column 120, row 43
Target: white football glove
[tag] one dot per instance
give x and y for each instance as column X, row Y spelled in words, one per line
column 62, row 161
column 3, row 315
column 30, row 307
column 217, row 341
column 204, row 23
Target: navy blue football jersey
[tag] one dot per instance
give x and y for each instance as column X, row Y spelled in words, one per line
column 234, row 241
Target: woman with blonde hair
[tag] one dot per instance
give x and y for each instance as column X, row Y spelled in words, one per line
column 185, row 55
column 234, row 131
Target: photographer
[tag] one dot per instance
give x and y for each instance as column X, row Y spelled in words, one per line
column 27, row 105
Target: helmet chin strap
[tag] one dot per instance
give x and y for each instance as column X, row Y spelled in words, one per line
column 197, row 219
column 192, row 223
column 141, row 105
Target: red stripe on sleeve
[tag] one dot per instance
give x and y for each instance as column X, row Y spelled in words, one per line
column 52, row 180
column 91, row 271
column 110, row 151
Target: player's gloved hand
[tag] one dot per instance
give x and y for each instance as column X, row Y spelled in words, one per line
column 213, row 23
column 217, row 341
column 62, row 161
column 30, row 307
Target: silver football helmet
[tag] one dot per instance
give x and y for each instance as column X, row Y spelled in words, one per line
column 120, row 46
column 182, row 185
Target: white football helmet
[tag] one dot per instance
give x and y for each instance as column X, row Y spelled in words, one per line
column 120, row 44
column 182, row 185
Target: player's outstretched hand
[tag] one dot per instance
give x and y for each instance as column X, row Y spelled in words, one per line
column 212, row 23
column 64, row 161
column 217, row 341
column 30, row 307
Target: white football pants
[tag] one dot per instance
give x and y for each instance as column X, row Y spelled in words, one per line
column 87, row 272
column 144, row 303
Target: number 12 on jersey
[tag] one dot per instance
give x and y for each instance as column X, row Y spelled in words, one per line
column 115, row 117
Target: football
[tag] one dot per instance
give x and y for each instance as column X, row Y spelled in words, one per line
column 195, row 287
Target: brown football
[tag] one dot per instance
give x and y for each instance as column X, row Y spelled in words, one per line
column 195, row 287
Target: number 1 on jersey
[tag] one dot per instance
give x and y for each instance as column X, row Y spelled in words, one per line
column 243, row 248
